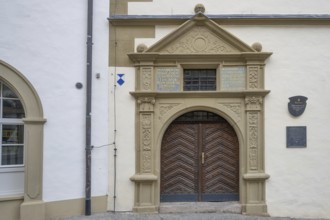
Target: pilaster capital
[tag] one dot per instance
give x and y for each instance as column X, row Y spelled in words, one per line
column 146, row 104
column 253, row 103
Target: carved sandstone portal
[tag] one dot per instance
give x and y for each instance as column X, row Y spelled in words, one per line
column 239, row 97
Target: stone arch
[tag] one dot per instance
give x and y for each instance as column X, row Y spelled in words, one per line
column 32, row 206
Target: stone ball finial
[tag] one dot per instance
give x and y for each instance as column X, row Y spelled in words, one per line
column 199, row 8
column 257, row 46
column 141, row 48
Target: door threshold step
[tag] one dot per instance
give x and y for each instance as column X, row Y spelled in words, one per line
column 200, row 207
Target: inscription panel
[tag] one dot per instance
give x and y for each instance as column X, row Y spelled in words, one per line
column 296, row 137
column 168, row 80
column 233, row 78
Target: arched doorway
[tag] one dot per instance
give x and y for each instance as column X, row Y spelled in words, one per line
column 236, row 91
column 199, row 159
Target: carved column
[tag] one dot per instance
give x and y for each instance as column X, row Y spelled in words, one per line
column 255, row 176
column 144, row 178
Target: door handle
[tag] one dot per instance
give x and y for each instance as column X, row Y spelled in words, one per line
column 203, row 157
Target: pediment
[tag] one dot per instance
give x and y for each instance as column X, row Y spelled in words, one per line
column 200, row 35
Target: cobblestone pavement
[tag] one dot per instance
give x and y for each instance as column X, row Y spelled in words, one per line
column 185, row 211
column 174, row 216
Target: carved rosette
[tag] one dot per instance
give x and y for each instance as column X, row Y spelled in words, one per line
column 253, row 77
column 146, row 78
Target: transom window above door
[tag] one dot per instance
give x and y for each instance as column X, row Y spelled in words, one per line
column 199, row 80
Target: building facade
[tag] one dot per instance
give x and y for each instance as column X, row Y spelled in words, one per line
column 199, row 101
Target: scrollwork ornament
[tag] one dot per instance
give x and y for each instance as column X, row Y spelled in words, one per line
column 146, row 103
column 235, row 108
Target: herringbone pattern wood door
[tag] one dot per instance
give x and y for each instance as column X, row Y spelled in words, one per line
column 179, row 168
column 220, row 168
column 200, row 162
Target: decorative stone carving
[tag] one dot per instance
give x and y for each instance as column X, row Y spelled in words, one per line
column 253, row 157
column 257, row 46
column 146, row 162
column 141, row 48
column 253, row 77
column 199, row 8
column 146, row 121
column 253, row 103
column 199, row 40
column 146, row 78
column 164, row 108
column 146, row 104
column 253, row 140
column 235, row 108
column 146, row 124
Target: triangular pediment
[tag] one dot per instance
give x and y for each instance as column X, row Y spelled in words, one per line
column 200, row 35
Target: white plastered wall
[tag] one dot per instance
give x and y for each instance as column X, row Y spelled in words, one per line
column 299, row 178
column 122, row 133
column 46, row 41
column 298, row 186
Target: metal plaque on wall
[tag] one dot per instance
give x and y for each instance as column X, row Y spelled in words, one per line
column 296, row 137
column 297, row 105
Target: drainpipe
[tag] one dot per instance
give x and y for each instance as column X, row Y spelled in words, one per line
column 89, row 107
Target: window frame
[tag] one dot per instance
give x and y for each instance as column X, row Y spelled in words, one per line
column 11, row 121
column 203, row 75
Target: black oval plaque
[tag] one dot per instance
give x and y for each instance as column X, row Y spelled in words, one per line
column 297, row 105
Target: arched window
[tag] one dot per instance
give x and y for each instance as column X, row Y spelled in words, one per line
column 21, row 146
column 11, row 128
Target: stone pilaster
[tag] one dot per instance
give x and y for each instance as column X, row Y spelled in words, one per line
column 144, row 178
column 255, row 176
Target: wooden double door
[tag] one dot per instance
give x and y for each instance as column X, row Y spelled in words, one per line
column 199, row 159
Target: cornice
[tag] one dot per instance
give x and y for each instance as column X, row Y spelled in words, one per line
column 244, row 56
column 229, row 19
column 202, row 94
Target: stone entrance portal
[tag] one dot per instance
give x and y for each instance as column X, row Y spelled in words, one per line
column 236, row 93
